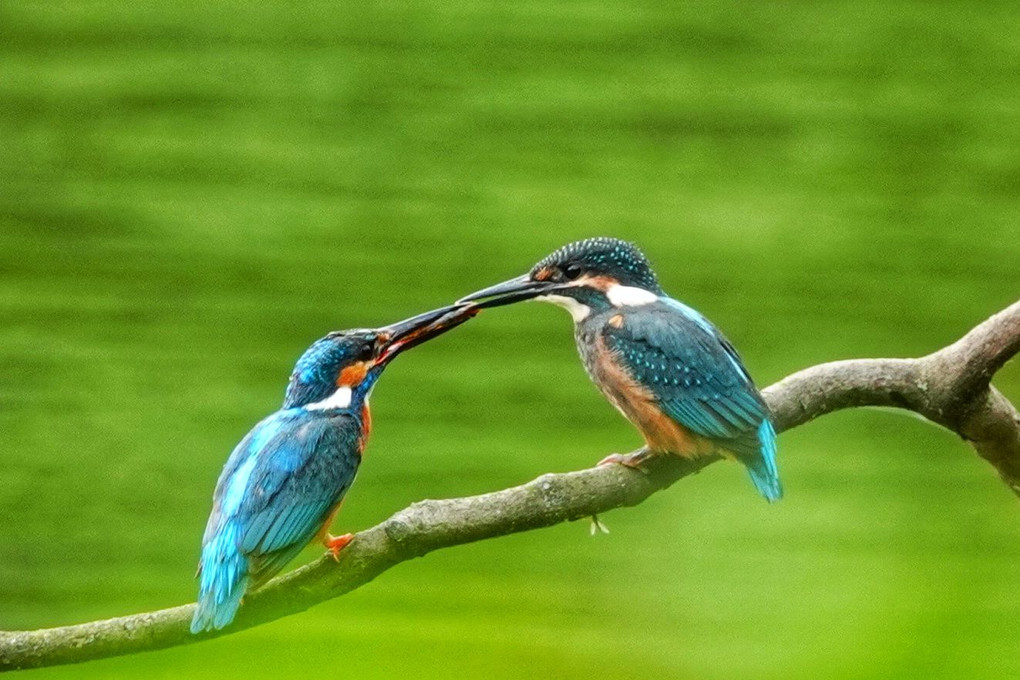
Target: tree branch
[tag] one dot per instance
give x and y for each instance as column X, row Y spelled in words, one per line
column 949, row 387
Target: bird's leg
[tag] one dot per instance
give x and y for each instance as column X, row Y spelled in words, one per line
column 632, row 460
column 334, row 544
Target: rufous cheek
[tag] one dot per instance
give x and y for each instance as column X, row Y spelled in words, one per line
column 352, row 375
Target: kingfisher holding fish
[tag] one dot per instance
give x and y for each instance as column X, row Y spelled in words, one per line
column 284, row 483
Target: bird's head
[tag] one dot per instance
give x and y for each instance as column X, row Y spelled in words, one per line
column 339, row 370
column 596, row 273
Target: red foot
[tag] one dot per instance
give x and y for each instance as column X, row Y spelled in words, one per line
column 615, row 458
column 628, row 460
column 334, row 544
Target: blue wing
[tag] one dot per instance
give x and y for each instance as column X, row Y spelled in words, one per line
column 699, row 381
column 277, row 489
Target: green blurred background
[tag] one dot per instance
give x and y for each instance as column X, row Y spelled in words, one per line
column 192, row 192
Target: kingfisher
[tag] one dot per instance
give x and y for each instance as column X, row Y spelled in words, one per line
column 662, row 364
column 285, row 481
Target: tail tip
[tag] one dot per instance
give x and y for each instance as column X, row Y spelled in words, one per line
column 210, row 617
column 764, row 473
column 223, row 581
column 199, row 623
column 769, row 487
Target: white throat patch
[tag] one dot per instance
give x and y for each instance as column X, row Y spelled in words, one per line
column 629, row 296
column 577, row 311
column 339, row 399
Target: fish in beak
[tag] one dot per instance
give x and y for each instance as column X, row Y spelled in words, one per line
column 418, row 329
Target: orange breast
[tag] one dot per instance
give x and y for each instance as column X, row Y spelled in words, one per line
column 366, row 428
column 637, row 403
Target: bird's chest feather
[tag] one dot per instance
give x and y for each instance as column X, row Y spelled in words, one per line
column 637, row 402
column 366, row 429
column 353, row 432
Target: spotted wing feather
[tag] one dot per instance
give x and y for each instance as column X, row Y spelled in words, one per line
column 691, row 369
column 699, row 381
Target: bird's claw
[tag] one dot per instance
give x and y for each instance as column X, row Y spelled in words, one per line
column 334, row 544
column 597, row 526
column 631, row 460
column 620, row 458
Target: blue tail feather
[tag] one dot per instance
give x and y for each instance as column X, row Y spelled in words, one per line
column 763, row 471
column 223, row 581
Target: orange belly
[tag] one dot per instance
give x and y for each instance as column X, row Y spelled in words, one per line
column 665, row 435
column 662, row 434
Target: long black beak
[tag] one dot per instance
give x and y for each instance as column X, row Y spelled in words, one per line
column 416, row 330
column 514, row 290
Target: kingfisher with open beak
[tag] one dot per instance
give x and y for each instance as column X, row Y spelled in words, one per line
column 661, row 363
column 285, row 481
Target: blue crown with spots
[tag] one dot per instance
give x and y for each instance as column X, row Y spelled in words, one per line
column 604, row 256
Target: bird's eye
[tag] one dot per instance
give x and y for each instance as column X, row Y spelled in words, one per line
column 366, row 352
column 572, row 271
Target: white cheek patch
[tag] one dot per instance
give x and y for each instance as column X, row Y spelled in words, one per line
column 629, row 296
column 578, row 311
column 339, row 399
